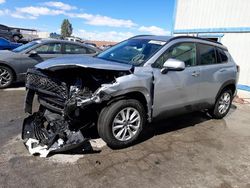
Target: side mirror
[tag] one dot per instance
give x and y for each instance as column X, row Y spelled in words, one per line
column 173, row 65
column 33, row 53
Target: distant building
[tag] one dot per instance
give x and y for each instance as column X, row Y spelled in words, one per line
column 28, row 34
column 43, row 34
column 226, row 21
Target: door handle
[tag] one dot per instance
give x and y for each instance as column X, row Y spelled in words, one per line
column 195, row 73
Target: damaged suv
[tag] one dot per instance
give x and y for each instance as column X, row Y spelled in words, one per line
column 125, row 87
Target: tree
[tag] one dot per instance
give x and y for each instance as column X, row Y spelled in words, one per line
column 66, row 28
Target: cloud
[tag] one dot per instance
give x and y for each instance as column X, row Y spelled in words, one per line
column 99, row 20
column 2, row 1
column 59, row 5
column 31, row 12
column 54, row 8
column 103, row 36
column 15, row 14
column 4, row 12
column 154, row 30
column 38, row 11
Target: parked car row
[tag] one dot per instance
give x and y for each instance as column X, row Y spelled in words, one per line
column 14, row 64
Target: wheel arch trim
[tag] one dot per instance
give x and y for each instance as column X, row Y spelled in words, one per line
column 227, row 84
column 131, row 93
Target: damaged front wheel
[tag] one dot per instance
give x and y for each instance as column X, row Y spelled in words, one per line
column 121, row 123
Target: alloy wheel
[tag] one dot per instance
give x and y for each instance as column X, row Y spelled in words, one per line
column 126, row 124
column 5, row 77
column 224, row 103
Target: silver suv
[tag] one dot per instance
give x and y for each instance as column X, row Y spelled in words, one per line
column 125, row 87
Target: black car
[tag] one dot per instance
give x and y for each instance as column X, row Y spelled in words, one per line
column 11, row 34
column 15, row 63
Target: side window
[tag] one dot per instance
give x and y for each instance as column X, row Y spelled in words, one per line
column 75, row 49
column 221, row 56
column 52, row 48
column 185, row 52
column 207, row 54
column 90, row 51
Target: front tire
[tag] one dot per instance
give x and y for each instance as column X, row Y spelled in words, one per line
column 121, row 123
column 6, row 77
column 222, row 105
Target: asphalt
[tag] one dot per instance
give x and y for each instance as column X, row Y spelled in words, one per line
column 187, row 151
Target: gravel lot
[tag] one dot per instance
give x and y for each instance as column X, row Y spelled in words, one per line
column 188, row 151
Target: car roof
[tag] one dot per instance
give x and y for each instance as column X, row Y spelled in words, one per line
column 171, row 38
column 153, row 37
column 65, row 42
column 54, row 40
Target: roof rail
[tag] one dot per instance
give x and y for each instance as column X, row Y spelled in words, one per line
column 177, row 37
column 140, row 36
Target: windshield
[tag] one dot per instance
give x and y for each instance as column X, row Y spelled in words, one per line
column 133, row 51
column 25, row 46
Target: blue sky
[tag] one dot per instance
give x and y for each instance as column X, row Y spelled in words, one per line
column 92, row 19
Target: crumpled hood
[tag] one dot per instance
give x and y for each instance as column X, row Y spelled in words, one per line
column 82, row 61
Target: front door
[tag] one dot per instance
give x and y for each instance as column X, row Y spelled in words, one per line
column 176, row 91
column 40, row 54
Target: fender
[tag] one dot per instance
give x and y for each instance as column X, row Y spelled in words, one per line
column 225, row 84
column 143, row 91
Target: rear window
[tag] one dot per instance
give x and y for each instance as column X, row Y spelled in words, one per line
column 90, row 51
column 75, row 49
column 222, row 57
column 207, row 54
column 51, row 48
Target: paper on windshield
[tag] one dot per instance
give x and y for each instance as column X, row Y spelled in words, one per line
column 157, row 42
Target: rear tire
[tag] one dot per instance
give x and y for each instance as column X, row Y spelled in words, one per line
column 222, row 105
column 6, row 77
column 121, row 123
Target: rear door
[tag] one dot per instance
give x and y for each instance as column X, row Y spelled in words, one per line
column 176, row 91
column 215, row 70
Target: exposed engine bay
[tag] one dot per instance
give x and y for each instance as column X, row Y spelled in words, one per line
column 70, row 100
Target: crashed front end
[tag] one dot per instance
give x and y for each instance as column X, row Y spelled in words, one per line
column 70, row 100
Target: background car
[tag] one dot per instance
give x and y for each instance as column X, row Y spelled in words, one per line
column 9, row 33
column 74, row 39
column 15, row 63
column 90, row 44
column 7, row 45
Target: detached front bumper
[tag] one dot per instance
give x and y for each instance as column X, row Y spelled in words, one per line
column 40, row 141
column 62, row 114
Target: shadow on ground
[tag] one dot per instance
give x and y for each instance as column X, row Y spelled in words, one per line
column 151, row 130
column 17, row 85
column 173, row 124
